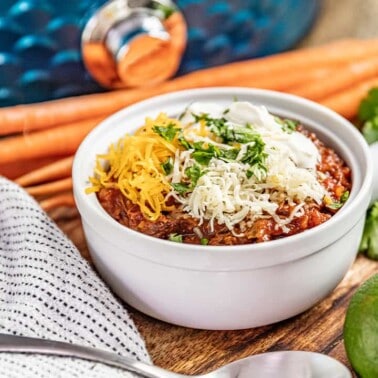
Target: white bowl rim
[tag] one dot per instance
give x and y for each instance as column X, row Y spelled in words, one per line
column 297, row 246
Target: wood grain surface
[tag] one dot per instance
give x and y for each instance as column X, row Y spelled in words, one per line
column 192, row 351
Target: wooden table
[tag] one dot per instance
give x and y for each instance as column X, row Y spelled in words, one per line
column 191, row 351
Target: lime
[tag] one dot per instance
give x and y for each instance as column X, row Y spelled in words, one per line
column 361, row 329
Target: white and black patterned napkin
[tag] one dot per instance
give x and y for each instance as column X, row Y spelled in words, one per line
column 48, row 290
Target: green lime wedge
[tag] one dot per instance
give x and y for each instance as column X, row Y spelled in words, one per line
column 361, row 329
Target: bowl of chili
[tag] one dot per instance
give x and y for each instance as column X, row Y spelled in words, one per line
column 183, row 244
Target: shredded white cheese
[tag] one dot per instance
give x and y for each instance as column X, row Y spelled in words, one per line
column 226, row 194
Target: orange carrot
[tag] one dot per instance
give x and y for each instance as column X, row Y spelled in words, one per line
column 50, row 187
column 52, row 113
column 290, row 79
column 323, row 56
column 18, row 168
column 25, row 118
column 342, row 78
column 55, row 170
column 62, row 141
column 346, row 102
column 60, row 200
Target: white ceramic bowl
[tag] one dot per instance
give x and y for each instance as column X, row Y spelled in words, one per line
column 226, row 287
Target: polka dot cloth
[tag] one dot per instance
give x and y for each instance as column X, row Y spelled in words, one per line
column 48, row 290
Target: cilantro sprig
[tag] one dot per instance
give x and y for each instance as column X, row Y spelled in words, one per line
column 193, row 173
column 287, row 125
column 168, row 132
column 167, row 166
column 255, row 156
column 367, row 119
column 228, row 134
column 369, row 242
column 368, row 116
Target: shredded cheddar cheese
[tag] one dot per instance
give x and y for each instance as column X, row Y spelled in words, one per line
column 133, row 165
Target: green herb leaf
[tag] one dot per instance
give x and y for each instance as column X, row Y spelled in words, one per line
column 338, row 204
column 175, row 238
column 167, row 166
column 239, row 134
column 344, row 197
column 204, row 241
column 204, row 152
column 370, row 130
column 255, row 156
column 228, row 134
column 185, row 143
column 368, row 116
column 369, row 242
column 229, row 154
column 181, row 187
column 287, row 125
column 369, row 105
column 167, row 132
column 249, row 173
column 194, row 173
column 202, row 157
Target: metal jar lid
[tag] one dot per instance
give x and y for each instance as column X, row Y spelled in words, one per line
column 132, row 43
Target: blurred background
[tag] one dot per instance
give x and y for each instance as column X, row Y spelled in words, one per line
column 40, row 40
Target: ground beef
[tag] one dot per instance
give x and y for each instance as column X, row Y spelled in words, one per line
column 337, row 179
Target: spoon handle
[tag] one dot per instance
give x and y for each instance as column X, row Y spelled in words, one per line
column 22, row 344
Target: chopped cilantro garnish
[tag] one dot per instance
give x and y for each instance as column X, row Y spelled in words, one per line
column 194, row 173
column 254, row 153
column 185, row 143
column 204, row 152
column 287, row 125
column 204, row 241
column 167, row 132
column 255, row 156
column 181, row 187
column 229, row 154
column 228, row 134
column 175, row 238
column 216, row 125
column 335, row 205
column 167, row 166
column 344, row 196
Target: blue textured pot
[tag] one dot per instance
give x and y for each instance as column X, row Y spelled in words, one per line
column 40, row 57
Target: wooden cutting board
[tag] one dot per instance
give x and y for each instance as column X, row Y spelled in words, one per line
column 191, row 351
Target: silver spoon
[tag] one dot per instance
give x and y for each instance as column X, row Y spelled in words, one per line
column 286, row 364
